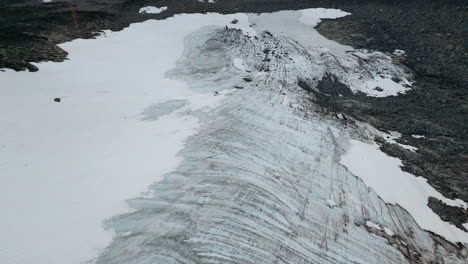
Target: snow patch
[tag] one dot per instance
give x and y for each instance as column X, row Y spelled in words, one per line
column 418, row 136
column 373, row 225
column 384, row 175
column 152, row 10
column 312, row 16
column 390, row 138
column 388, row 231
column 382, row 87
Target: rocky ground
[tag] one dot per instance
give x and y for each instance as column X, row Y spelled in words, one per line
column 432, row 34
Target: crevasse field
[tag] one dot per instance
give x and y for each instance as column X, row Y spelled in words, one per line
column 188, row 140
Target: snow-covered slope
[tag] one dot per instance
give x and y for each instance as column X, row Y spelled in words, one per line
column 257, row 178
column 65, row 167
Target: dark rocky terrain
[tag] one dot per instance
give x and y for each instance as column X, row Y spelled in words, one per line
column 434, row 36
column 432, row 33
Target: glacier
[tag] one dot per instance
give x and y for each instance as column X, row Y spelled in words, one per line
column 260, row 174
column 262, row 181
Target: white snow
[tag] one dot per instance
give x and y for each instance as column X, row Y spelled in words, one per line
column 418, row 136
column 408, row 147
column 313, row 16
column 67, row 166
column 382, row 87
column 384, row 175
column 331, row 203
column 239, row 64
column 390, row 138
column 388, row 231
column 152, row 10
column 373, row 225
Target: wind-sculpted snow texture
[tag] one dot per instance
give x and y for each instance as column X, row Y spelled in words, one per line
column 261, row 181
